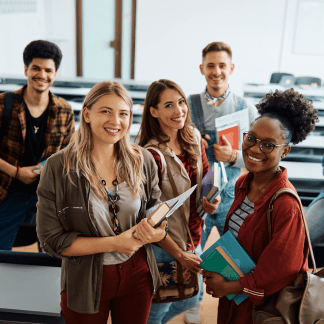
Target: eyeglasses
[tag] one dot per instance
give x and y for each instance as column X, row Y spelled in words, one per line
column 265, row 146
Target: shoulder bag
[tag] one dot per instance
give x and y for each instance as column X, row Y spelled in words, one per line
column 302, row 302
column 178, row 283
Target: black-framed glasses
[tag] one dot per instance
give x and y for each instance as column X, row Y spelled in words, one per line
column 265, row 146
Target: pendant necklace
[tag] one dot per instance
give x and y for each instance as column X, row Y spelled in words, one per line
column 36, row 129
column 113, row 208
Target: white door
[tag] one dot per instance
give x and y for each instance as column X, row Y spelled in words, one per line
column 98, row 30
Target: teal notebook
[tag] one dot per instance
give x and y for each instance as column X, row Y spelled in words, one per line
column 218, row 261
column 238, row 255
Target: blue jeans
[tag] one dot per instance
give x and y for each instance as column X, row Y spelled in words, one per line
column 315, row 219
column 227, row 195
column 13, row 211
column 163, row 313
column 218, row 218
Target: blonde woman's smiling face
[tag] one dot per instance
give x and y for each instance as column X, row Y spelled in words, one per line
column 109, row 119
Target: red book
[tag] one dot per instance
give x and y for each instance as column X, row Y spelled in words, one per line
column 232, row 134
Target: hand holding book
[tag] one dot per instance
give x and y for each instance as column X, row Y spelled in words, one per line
column 218, row 287
column 146, row 233
column 210, row 207
column 227, row 258
column 212, row 185
column 159, row 213
column 223, row 152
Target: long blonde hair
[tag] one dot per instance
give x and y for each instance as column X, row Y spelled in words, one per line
column 129, row 158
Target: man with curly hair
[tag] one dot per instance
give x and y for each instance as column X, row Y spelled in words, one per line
column 39, row 125
column 216, row 101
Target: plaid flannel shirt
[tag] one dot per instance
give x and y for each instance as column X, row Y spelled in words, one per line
column 60, row 127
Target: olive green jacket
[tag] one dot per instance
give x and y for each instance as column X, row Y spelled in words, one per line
column 63, row 214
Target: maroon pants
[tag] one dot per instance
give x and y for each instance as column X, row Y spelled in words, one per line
column 126, row 291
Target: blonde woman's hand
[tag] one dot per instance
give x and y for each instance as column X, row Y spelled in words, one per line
column 190, row 261
column 148, row 234
column 210, row 208
column 126, row 243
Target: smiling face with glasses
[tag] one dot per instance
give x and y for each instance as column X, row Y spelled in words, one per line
column 264, row 145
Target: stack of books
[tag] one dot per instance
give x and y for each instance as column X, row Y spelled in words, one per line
column 212, row 185
column 228, row 258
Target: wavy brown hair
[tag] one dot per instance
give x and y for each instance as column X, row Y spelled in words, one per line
column 129, row 158
column 150, row 127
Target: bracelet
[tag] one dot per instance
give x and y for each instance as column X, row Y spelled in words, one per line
column 166, row 234
column 233, row 157
column 16, row 176
column 133, row 234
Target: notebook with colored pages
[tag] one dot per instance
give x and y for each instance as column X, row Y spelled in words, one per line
column 241, row 118
column 232, row 134
column 238, row 255
column 218, row 261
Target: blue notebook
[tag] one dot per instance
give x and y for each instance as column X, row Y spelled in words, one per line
column 236, row 252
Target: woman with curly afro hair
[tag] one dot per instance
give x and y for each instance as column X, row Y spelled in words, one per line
column 285, row 117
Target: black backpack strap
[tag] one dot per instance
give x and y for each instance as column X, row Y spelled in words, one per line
column 7, row 113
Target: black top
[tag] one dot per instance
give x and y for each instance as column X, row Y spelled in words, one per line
column 34, row 147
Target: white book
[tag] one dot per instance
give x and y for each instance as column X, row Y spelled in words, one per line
column 158, row 213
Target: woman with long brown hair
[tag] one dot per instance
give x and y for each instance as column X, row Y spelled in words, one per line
column 167, row 132
column 92, row 196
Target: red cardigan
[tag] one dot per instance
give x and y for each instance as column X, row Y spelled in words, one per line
column 279, row 262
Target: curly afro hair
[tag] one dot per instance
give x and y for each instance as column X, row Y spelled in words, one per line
column 42, row 49
column 292, row 110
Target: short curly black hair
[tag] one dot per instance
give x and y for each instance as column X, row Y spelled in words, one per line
column 42, row 49
column 292, row 110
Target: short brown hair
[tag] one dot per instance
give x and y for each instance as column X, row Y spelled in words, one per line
column 217, row 47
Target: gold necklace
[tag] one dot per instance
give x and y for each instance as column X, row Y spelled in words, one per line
column 277, row 172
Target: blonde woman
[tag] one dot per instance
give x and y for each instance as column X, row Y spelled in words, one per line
column 91, row 197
